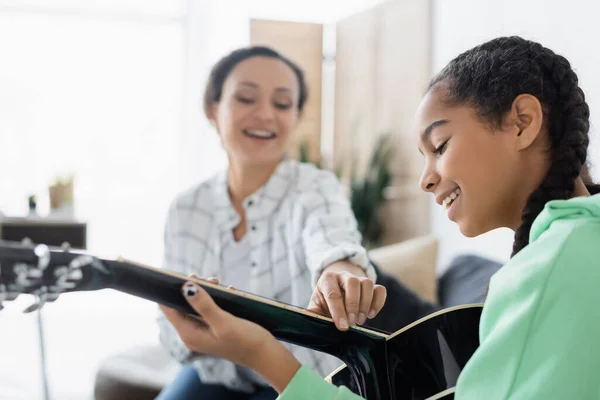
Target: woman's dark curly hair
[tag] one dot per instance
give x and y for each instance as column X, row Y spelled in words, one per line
column 490, row 76
column 221, row 70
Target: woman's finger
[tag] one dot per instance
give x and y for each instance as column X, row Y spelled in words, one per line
column 366, row 297
column 317, row 304
column 332, row 294
column 379, row 297
column 211, row 279
column 351, row 285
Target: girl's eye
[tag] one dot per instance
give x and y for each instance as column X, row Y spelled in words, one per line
column 440, row 149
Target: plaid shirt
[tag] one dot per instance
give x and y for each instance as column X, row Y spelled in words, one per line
column 298, row 223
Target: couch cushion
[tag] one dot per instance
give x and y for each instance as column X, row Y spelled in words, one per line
column 412, row 262
column 139, row 373
column 466, row 280
column 402, row 305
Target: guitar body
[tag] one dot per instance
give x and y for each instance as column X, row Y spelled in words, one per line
column 425, row 358
column 421, row 361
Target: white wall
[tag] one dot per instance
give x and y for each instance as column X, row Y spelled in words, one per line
column 570, row 29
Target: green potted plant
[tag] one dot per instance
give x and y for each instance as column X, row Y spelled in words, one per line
column 61, row 192
column 32, row 203
column 367, row 192
column 304, row 154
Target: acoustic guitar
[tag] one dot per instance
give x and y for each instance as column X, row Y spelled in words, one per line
column 421, row 361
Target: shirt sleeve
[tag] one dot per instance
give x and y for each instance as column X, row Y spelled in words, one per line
column 330, row 232
column 307, row 385
column 541, row 323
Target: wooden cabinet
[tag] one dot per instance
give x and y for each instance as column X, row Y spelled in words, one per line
column 382, row 68
column 302, row 43
column 51, row 232
column 382, row 71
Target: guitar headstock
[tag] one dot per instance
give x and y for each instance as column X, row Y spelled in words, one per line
column 27, row 268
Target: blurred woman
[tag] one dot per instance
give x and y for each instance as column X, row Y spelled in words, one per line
column 266, row 224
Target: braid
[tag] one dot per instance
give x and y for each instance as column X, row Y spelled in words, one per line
column 569, row 126
column 490, row 76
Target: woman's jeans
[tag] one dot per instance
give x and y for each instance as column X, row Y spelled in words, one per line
column 188, row 386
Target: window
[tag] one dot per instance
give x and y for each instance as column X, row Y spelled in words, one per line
column 95, row 90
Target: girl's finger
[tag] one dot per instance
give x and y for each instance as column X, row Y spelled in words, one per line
column 203, row 304
column 173, row 316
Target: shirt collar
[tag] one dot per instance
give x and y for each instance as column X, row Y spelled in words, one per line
column 262, row 202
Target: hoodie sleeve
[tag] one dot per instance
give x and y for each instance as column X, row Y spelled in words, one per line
column 307, row 385
column 541, row 322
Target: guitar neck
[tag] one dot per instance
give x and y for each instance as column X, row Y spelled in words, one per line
column 51, row 272
column 286, row 322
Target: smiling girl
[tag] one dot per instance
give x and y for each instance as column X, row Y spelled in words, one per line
column 504, row 132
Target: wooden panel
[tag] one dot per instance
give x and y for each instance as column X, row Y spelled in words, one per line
column 303, row 44
column 355, row 88
column 382, row 70
column 44, row 231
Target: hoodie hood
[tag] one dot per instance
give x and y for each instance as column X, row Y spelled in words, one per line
column 584, row 207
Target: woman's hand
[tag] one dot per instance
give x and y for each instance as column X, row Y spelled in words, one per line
column 220, row 334
column 345, row 294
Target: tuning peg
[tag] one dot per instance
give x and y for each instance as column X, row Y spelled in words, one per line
column 5, row 295
column 66, row 278
column 32, row 307
column 40, row 299
column 85, row 260
column 51, row 297
column 43, row 253
column 2, row 294
column 27, row 242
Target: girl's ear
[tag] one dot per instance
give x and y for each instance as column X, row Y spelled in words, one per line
column 525, row 120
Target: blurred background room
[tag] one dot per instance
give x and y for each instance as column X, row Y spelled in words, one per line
column 101, row 125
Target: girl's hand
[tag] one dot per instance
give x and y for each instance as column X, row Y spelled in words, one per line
column 345, row 294
column 218, row 333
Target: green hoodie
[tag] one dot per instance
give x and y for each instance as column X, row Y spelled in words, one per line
column 540, row 326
